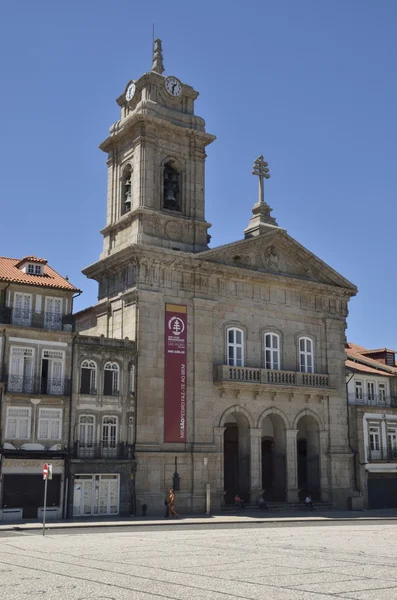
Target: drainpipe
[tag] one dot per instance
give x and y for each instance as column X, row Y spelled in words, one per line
column 354, row 451
column 73, row 297
column 68, row 451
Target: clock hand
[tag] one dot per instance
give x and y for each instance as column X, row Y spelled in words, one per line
column 173, row 87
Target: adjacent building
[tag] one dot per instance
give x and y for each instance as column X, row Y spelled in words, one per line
column 36, row 305
column 371, row 381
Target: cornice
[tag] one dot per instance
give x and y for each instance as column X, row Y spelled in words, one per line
column 124, row 126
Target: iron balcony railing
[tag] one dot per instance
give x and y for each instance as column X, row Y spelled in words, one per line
column 44, row 320
column 384, row 454
column 37, row 385
column 372, row 400
column 103, row 450
column 271, row 377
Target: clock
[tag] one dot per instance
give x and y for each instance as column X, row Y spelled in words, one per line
column 173, row 86
column 129, row 94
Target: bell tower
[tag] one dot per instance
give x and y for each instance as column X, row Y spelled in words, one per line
column 156, row 163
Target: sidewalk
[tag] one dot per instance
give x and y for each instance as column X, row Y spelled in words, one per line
column 252, row 517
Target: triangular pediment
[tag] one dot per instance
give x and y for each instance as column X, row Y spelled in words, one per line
column 277, row 253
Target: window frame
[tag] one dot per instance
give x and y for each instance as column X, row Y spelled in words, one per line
column 115, row 378
column 359, row 389
column 50, row 419
column 93, row 389
column 272, row 350
column 232, row 361
column 113, row 443
column 29, row 418
column 304, row 368
column 85, row 443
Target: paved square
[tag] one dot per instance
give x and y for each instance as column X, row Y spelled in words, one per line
column 302, row 562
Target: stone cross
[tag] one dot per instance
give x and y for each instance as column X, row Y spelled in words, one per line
column 260, row 169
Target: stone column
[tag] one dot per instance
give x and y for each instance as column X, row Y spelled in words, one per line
column 324, row 461
column 291, row 465
column 255, row 463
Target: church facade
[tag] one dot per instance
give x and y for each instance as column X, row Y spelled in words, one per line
column 239, row 379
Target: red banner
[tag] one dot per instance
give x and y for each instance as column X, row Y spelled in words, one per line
column 175, row 373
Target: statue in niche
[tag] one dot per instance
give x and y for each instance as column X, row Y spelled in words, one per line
column 127, row 194
column 271, row 258
column 171, row 197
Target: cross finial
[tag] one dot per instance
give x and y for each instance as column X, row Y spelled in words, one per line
column 157, row 64
column 261, row 219
column 260, row 169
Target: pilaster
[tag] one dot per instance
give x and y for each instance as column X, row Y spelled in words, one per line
column 292, row 465
column 255, row 463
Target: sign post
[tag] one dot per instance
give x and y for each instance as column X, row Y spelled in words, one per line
column 45, row 477
column 47, row 474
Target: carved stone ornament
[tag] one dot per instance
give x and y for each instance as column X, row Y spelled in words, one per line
column 270, row 258
column 173, row 231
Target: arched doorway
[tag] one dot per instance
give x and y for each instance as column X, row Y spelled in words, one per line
column 308, row 456
column 273, row 458
column 236, row 460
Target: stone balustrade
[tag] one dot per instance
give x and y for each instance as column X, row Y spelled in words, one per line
column 273, row 378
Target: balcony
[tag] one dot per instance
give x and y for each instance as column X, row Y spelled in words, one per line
column 102, row 450
column 16, row 384
column 27, row 318
column 225, row 374
column 373, row 400
column 382, row 454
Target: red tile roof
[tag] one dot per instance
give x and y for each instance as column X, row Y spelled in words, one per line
column 356, row 366
column 50, row 279
column 32, row 259
column 358, row 353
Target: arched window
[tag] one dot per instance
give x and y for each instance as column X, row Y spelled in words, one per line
column 235, row 347
column 109, row 432
column 306, row 355
column 111, row 379
column 272, row 351
column 126, row 190
column 88, row 377
column 171, row 188
column 86, row 431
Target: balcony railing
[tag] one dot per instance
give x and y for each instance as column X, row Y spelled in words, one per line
column 28, row 318
column 37, row 385
column 103, row 450
column 373, row 400
column 275, row 378
column 382, row 454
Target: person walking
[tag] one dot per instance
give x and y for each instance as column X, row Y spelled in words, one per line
column 309, row 502
column 173, row 513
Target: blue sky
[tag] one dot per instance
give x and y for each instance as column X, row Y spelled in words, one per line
column 311, row 85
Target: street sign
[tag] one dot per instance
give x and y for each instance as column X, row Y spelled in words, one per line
column 45, row 471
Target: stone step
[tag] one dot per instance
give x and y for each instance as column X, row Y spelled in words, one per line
column 280, row 507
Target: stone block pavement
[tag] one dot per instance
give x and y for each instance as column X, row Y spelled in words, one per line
column 353, row 559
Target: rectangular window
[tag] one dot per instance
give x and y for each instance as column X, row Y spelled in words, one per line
column 18, row 423
column 50, row 424
column 37, row 269
column 359, row 390
column 30, row 269
column 371, row 391
column 235, row 347
column 132, row 380
column 382, row 393
column 53, row 313
column 374, row 442
column 306, row 359
column 272, row 351
column 22, row 309
column 21, row 374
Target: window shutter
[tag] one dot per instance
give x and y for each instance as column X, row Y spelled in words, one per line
column 43, row 429
column 11, row 428
column 23, row 429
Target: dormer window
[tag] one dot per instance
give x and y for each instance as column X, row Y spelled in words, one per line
column 34, row 269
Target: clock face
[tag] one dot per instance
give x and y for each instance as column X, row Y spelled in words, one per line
column 173, row 86
column 130, row 92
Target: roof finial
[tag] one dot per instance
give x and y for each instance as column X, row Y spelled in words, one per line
column 261, row 219
column 157, row 64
